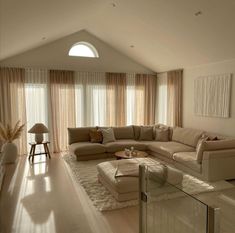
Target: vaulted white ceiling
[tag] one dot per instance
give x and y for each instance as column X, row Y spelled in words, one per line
column 166, row 34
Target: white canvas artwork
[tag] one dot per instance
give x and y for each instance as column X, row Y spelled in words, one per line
column 212, row 95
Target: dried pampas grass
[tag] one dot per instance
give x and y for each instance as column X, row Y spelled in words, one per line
column 9, row 134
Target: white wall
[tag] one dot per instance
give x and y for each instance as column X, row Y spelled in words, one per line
column 224, row 126
column 54, row 55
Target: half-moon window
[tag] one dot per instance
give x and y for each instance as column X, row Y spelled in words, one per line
column 83, row 49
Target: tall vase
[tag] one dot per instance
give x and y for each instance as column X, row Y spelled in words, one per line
column 9, row 152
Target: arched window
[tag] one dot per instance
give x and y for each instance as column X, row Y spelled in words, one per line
column 83, row 49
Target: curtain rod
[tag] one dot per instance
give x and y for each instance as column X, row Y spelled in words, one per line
column 168, row 71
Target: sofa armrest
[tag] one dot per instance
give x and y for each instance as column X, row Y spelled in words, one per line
column 218, row 154
column 218, row 165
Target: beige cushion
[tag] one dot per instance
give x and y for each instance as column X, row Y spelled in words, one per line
column 188, row 159
column 136, row 129
column 122, row 184
column 146, row 133
column 79, row 134
column 168, row 148
column 162, row 134
column 126, row 132
column 87, row 148
column 120, row 145
column 108, row 135
column 186, row 136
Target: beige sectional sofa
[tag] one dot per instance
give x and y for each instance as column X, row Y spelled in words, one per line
column 217, row 160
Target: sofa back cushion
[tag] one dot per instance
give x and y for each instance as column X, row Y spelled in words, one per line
column 108, row 135
column 136, row 129
column 146, row 133
column 162, row 134
column 186, row 136
column 125, row 132
column 80, row 134
column 96, row 136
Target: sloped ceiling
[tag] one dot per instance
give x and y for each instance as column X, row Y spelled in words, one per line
column 54, row 55
column 166, row 34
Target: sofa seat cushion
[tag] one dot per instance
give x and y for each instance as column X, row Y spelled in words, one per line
column 188, row 159
column 125, row 132
column 87, row 148
column 120, row 145
column 168, row 148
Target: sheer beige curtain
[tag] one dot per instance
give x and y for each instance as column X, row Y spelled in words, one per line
column 145, row 97
column 174, row 97
column 12, row 101
column 115, row 99
column 62, row 106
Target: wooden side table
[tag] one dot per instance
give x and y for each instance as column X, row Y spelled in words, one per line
column 33, row 148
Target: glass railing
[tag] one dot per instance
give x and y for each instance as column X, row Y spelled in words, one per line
column 167, row 207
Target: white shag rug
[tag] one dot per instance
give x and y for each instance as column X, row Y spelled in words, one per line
column 85, row 173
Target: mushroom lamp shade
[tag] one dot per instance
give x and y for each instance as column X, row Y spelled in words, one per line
column 39, row 129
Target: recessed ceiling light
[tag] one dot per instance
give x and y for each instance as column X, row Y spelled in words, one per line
column 198, row 13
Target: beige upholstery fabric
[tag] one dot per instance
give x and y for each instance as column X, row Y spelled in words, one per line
column 118, row 196
column 205, row 145
column 80, row 134
column 108, row 170
column 169, row 148
column 162, row 134
column 219, row 144
column 126, row 132
column 186, row 136
column 108, row 135
column 146, row 133
column 218, row 165
column 189, row 159
column 86, row 148
column 136, row 129
column 120, row 145
column 200, row 148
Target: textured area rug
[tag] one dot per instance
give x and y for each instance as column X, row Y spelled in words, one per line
column 85, row 173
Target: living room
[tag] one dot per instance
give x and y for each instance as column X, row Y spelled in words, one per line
column 91, row 90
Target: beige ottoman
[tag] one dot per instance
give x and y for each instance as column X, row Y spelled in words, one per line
column 125, row 187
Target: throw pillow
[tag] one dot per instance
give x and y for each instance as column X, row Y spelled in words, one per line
column 200, row 148
column 108, row 135
column 162, row 134
column 146, row 133
column 96, row 136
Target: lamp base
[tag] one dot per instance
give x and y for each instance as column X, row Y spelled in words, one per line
column 38, row 137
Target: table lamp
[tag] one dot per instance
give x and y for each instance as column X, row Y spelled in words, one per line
column 39, row 129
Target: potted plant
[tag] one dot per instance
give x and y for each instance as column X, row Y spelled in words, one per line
column 7, row 136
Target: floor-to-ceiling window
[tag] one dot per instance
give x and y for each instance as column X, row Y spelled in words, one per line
column 36, row 96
